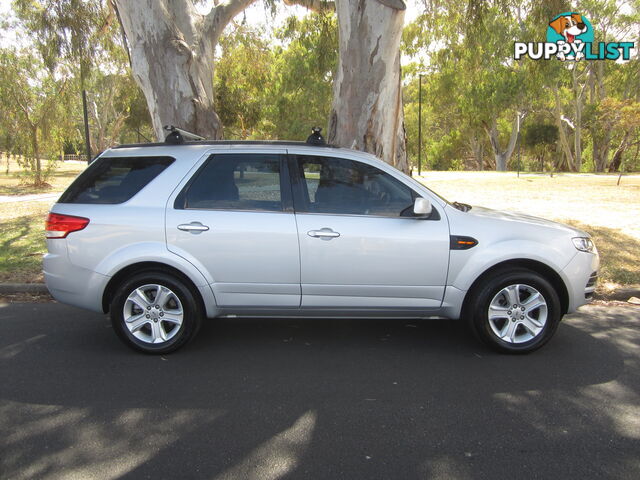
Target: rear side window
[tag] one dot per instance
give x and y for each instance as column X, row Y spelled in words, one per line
column 235, row 182
column 114, row 180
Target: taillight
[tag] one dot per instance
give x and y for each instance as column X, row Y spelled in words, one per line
column 59, row 226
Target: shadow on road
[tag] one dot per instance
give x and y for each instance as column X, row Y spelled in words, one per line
column 315, row 399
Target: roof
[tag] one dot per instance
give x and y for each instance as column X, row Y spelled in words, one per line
column 226, row 142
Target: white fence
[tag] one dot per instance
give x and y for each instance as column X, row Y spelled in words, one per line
column 80, row 158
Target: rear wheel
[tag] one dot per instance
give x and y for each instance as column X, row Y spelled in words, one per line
column 514, row 311
column 155, row 312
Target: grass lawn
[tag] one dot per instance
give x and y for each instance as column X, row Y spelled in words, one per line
column 22, row 245
column 11, row 184
column 591, row 202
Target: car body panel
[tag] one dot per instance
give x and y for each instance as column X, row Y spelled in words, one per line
column 376, row 261
column 266, row 264
column 251, row 258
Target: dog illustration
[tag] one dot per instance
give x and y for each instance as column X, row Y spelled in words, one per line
column 569, row 26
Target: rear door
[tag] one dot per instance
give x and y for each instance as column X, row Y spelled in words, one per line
column 360, row 246
column 234, row 220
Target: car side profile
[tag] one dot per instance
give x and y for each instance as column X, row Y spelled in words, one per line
column 162, row 236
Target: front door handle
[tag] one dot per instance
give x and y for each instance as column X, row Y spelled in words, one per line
column 193, row 227
column 324, row 233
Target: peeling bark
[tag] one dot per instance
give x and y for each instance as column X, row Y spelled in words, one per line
column 171, row 47
column 367, row 100
column 563, row 139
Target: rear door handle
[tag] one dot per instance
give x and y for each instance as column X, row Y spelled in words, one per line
column 193, row 227
column 324, row 233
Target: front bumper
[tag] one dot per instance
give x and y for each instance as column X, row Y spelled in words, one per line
column 580, row 277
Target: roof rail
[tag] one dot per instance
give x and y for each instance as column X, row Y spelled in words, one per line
column 316, row 137
column 178, row 135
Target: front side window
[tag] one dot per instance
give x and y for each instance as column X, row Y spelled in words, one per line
column 112, row 180
column 236, row 182
column 340, row 186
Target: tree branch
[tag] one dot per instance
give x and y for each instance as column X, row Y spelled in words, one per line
column 125, row 42
column 313, row 5
column 51, row 102
column 395, row 4
column 23, row 107
column 221, row 14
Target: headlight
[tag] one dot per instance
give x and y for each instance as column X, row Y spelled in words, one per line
column 584, row 244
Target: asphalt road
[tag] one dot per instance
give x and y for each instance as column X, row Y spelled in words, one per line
column 326, row 399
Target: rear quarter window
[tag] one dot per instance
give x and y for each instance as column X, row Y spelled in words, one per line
column 112, row 180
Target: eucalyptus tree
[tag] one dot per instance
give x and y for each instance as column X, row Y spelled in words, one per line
column 367, row 109
column 471, row 52
column 367, row 93
column 74, row 31
column 172, row 47
column 33, row 102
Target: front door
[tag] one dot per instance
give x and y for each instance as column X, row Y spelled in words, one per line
column 360, row 246
column 234, row 219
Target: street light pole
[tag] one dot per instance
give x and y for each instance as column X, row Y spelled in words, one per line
column 518, row 140
column 420, row 124
column 86, row 125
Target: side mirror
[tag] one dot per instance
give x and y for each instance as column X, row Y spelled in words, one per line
column 422, row 207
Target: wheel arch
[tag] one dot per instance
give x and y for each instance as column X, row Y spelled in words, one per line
column 545, row 270
column 143, row 267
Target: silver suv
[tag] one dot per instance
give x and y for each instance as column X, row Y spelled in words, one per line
column 161, row 236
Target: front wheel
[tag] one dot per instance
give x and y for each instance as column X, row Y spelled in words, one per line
column 155, row 313
column 514, row 311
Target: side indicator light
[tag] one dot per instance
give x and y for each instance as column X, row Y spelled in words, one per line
column 458, row 242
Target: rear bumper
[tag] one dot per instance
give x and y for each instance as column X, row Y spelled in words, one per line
column 580, row 276
column 73, row 285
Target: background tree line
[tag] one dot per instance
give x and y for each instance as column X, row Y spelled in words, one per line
column 276, row 83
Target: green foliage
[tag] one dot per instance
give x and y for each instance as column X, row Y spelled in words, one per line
column 540, row 134
column 69, row 45
column 301, row 92
column 471, row 82
column 539, row 139
column 34, row 107
column 280, row 87
column 242, row 72
column 80, row 31
column 278, row 84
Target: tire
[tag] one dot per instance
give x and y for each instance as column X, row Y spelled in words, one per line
column 154, row 312
column 492, row 317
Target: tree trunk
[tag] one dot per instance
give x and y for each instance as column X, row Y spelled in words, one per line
column 171, row 48
column 577, row 137
column 601, row 152
column 616, row 161
column 478, row 149
column 562, row 133
column 367, row 94
column 503, row 156
column 37, row 179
